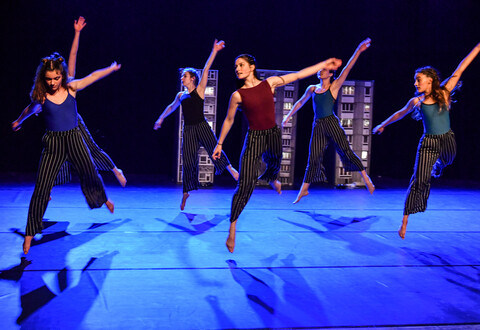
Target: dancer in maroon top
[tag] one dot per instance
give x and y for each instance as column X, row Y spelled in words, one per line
column 264, row 139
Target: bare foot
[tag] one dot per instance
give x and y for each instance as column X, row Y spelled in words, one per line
column 110, row 206
column 403, row 229
column 26, row 244
column 368, row 182
column 120, row 177
column 233, row 172
column 231, row 237
column 302, row 193
column 277, row 186
column 184, row 200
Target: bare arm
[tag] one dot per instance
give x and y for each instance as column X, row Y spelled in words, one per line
column 452, row 81
column 32, row 108
column 217, row 46
column 235, row 101
column 397, row 115
column 78, row 25
column 330, row 64
column 80, row 84
column 346, row 70
column 306, row 96
column 168, row 110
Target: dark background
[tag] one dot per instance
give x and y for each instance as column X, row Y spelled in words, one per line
column 152, row 39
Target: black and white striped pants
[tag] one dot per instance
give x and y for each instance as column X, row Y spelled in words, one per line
column 324, row 131
column 102, row 161
column 193, row 137
column 266, row 144
column 58, row 148
column 434, row 153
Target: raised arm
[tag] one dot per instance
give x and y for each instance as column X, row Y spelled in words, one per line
column 168, row 110
column 330, row 64
column 452, row 81
column 337, row 83
column 78, row 25
column 235, row 101
column 202, row 84
column 32, row 108
column 397, row 115
column 306, row 96
column 80, row 84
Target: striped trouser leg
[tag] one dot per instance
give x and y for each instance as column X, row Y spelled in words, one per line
column 190, row 146
column 208, row 140
column 90, row 181
column 350, row 161
column 64, row 174
column 273, row 154
column 53, row 156
column 315, row 172
column 250, row 160
column 430, row 149
column 102, row 161
column 448, row 150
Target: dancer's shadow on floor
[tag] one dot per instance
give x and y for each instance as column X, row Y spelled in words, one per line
column 261, row 297
column 49, row 256
column 357, row 242
column 460, row 278
column 298, row 294
column 197, row 224
column 69, row 306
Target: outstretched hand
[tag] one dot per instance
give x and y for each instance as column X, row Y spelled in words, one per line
column 378, row 129
column 364, row 45
column 332, row 63
column 16, row 126
column 158, row 124
column 115, row 66
column 79, row 24
column 218, row 45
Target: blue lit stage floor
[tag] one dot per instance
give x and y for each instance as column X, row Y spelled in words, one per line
column 333, row 260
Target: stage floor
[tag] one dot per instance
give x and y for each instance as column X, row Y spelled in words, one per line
column 332, row 260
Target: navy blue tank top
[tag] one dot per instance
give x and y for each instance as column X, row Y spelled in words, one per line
column 323, row 104
column 192, row 108
column 435, row 121
column 60, row 117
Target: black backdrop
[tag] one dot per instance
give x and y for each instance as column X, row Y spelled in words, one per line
column 153, row 38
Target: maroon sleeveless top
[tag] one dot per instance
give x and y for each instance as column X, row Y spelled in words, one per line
column 258, row 106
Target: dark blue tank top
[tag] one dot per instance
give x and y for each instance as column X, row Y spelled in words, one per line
column 435, row 122
column 60, row 117
column 323, row 104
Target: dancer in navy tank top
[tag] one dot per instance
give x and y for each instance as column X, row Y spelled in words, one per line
column 264, row 138
column 196, row 130
column 437, row 147
column 327, row 128
column 55, row 95
column 101, row 159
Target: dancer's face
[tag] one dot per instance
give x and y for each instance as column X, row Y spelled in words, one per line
column 243, row 69
column 53, row 80
column 187, row 79
column 423, row 83
column 324, row 74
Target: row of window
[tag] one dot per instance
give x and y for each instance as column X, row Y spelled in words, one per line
column 348, row 107
column 350, row 90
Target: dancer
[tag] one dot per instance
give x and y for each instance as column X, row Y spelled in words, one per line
column 102, row 161
column 53, row 94
column 437, row 147
column 264, row 138
column 196, row 130
column 326, row 127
